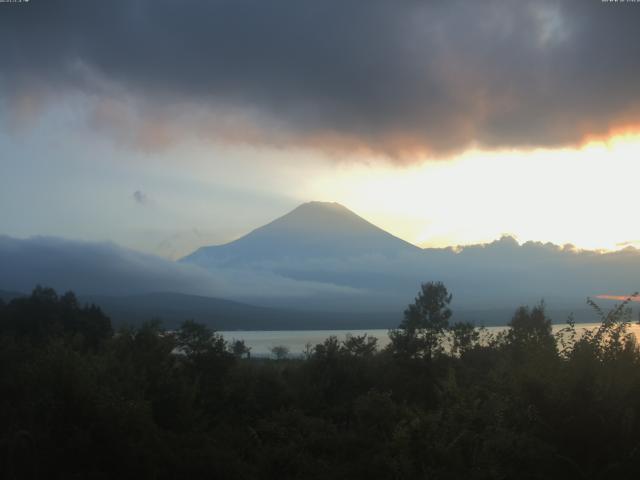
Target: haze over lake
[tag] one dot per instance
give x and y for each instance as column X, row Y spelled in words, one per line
column 297, row 341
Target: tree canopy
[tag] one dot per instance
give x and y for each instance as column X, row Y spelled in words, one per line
column 442, row 401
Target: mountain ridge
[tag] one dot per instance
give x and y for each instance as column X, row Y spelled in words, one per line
column 313, row 229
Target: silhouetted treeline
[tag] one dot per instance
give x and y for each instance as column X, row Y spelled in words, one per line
column 442, row 401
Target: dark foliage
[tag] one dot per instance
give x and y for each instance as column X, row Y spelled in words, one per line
column 44, row 315
column 442, row 401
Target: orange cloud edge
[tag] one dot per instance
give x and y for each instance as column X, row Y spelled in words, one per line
column 620, row 298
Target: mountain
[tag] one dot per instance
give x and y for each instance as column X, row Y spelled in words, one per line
column 319, row 230
column 348, row 264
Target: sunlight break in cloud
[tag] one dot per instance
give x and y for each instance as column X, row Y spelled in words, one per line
column 582, row 196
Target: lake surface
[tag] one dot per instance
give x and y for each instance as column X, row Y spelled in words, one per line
column 261, row 342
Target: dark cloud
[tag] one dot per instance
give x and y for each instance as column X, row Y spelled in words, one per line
column 140, row 197
column 390, row 76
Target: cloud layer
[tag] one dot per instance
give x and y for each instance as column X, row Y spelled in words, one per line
column 107, row 269
column 397, row 78
column 495, row 276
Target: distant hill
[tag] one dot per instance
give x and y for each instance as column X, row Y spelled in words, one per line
column 173, row 308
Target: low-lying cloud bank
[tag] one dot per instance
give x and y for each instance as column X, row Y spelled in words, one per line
column 108, row 269
column 495, row 275
column 91, row 268
column 499, row 275
column 393, row 78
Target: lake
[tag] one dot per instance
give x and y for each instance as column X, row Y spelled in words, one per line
column 261, row 342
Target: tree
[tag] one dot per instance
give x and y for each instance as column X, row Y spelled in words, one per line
column 308, row 350
column 44, row 315
column 531, row 326
column 425, row 321
column 330, row 349
column 206, row 360
column 360, row 345
column 195, row 339
column 239, row 349
column 464, row 335
column 280, row 352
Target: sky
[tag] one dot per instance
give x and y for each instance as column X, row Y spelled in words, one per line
column 164, row 126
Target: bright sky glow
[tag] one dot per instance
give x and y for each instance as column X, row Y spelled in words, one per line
column 61, row 178
column 585, row 196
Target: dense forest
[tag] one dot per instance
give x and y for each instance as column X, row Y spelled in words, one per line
column 444, row 400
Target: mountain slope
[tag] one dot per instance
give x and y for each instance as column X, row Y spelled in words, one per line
column 313, row 230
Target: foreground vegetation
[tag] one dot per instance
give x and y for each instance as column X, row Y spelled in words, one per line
column 442, row 401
